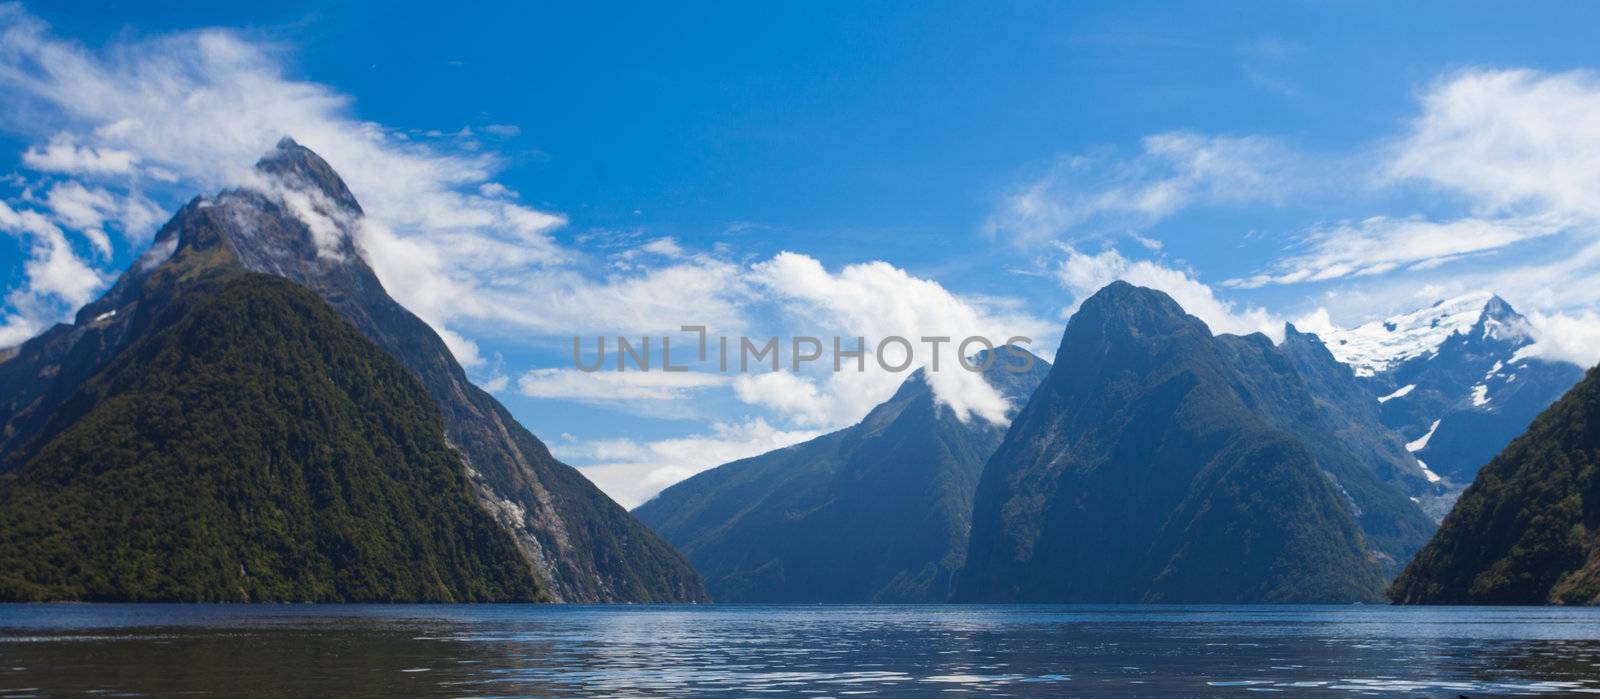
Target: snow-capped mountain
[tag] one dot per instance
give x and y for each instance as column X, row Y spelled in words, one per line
column 1454, row 379
column 1376, row 347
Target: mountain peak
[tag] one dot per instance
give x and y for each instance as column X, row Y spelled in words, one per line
column 1499, row 321
column 297, row 218
column 1497, row 307
column 1136, row 304
column 1374, row 347
column 299, row 167
column 1133, row 313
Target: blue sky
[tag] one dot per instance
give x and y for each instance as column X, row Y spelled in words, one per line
column 537, row 171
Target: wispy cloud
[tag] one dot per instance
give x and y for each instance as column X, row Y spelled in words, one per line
column 1381, row 244
column 57, row 282
column 633, row 471
column 1086, row 195
column 1508, row 142
column 605, row 386
column 1517, row 152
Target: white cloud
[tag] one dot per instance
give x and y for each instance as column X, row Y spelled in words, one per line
column 607, row 386
column 802, row 401
column 655, row 300
column 495, row 189
column 876, row 300
column 1175, row 170
column 1380, row 244
column 1083, row 274
column 632, row 471
column 1508, row 141
column 1518, row 151
column 1566, row 337
column 57, row 281
column 62, row 154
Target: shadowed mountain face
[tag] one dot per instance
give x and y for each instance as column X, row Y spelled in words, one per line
column 1527, row 531
column 1301, row 389
column 877, row 512
column 250, row 447
column 1158, row 463
column 581, row 546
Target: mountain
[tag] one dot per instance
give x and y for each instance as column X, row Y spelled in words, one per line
column 1299, row 387
column 876, row 512
column 1527, row 531
column 1159, row 463
column 298, row 225
column 1455, row 380
column 251, row 446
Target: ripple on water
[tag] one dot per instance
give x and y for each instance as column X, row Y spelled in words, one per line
column 810, row 651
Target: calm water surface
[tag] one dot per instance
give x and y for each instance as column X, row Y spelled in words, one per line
column 517, row 650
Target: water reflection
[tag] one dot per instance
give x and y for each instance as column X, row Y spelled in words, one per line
column 126, row 650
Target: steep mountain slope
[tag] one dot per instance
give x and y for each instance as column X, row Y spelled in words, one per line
column 1527, row 531
column 1159, row 463
column 1454, row 379
column 877, row 512
column 251, row 447
column 582, row 546
column 1298, row 387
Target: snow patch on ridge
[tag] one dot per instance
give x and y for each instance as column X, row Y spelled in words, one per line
column 1428, row 473
column 1402, row 392
column 1421, row 443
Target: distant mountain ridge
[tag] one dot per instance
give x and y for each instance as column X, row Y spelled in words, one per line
column 1455, row 379
column 1159, row 463
column 876, row 512
column 581, row 546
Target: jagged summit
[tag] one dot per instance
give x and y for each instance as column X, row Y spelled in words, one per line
column 1378, row 346
column 1499, row 321
column 298, row 222
column 302, row 168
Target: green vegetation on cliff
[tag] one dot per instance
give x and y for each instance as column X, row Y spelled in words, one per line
column 252, row 446
column 1527, row 531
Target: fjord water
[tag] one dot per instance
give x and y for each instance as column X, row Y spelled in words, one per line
column 739, row 650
